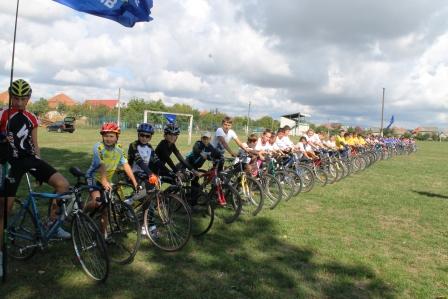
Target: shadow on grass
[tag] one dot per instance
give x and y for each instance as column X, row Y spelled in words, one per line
column 248, row 259
column 430, row 194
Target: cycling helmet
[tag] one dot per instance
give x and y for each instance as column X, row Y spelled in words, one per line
column 20, row 88
column 172, row 129
column 110, row 127
column 145, row 128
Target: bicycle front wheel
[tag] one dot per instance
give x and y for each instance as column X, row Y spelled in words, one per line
column 273, row 190
column 89, row 247
column 202, row 214
column 124, row 233
column 167, row 221
column 251, row 193
column 230, row 209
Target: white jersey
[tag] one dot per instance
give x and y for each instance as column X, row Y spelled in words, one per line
column 263, row 147
column 283, row 143
column 227, row 137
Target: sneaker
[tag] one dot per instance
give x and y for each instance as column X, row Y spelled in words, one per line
column 153, row 232
column 129, row 201
column 144, row 232
column 61, row 233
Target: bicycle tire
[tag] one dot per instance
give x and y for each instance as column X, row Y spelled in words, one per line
column 321, row 176
column 288, row 182
column 251, row 193
column 273, row 190
column 202, row 214
column 22, row 232
column 229, row 212
column 171, row 217
column 307, row 177
column 124, row 233
column 90, row 248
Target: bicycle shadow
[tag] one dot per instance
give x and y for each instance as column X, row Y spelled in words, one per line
column 248, row 259
column 430, row 194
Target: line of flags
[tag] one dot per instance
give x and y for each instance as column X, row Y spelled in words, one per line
column 125, row 12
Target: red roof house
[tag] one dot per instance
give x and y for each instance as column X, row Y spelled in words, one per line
column 61, row 99
column 110, row 103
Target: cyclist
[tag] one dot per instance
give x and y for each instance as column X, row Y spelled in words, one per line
column 18, row 127
column 108, row 156
column 141, row 155
column 223, row 136
column 166, row 147
column 202, row 151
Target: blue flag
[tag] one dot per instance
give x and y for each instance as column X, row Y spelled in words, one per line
column 125, row 12
column 171, row 118
column 390, row 122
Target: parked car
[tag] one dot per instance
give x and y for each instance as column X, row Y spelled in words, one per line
column 66, row 125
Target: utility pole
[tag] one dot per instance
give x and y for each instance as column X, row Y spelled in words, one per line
column 119, row 106
column 248, row 120
column 382, row 113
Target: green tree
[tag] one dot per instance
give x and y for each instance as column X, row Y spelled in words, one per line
column 39, row 107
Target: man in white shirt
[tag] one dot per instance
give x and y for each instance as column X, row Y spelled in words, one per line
column 224, row 135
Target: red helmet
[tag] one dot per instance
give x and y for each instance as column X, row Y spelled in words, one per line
column 110, row 128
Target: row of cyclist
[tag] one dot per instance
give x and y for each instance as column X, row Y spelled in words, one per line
column 265, row 171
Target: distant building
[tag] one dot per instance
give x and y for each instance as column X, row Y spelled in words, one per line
column 61, row 98
column 109, row 103
column 426, row 130
column 297, row 121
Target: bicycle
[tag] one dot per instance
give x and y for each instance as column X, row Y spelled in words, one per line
column 202, row 211
column 224, row 198
column 26, row 231
column 123, row 234
column 165, row 218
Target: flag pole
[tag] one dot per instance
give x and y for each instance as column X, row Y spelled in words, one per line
column 5, row 199
column 382, row 113
column 119, row 106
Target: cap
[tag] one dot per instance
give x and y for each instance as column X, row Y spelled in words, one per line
column 206, row 134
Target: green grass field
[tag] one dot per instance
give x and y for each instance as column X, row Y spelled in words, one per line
column 379, row 234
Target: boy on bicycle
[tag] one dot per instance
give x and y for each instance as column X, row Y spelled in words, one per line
column 18, row 128
column 108, row 156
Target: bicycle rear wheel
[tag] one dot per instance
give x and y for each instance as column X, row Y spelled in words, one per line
column 89, row 247
column 22, row 235
column 123, row 233
column 168, row 222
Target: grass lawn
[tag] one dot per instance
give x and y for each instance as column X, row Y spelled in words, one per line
column 378, row 234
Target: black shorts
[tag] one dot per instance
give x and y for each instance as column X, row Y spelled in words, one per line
column 38, row 168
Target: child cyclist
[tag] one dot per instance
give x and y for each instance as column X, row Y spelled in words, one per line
column 141, row 156
column 108, row 156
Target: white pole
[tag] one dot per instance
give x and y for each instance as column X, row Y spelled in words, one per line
column 119, row 106
column 382, row 113
column 190, row 130
column 248, row 120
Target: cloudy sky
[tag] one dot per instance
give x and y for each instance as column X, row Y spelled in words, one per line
column 328, row 58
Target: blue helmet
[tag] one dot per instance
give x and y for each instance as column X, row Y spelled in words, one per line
column 145, row 128
column 172, row 129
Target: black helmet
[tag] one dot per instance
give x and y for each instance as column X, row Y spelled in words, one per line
column 172, row 129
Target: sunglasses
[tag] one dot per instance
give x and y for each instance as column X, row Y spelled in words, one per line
column 145, row 135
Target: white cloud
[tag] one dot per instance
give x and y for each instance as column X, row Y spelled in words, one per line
column 329, row 60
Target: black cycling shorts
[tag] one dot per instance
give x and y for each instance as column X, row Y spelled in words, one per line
column 38, row 168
